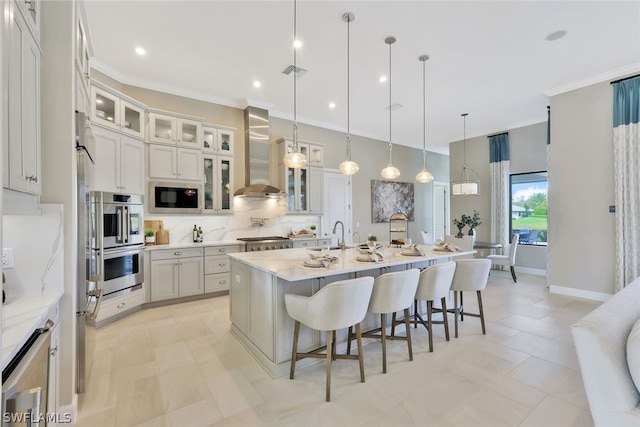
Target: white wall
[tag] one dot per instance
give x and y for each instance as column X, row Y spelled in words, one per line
column 581, row 188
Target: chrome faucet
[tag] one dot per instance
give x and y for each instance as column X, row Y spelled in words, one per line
column 340, row 242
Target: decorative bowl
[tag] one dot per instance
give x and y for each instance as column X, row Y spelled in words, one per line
column 188, row 137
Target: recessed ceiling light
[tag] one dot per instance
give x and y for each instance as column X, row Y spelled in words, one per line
column 257, row 84
column 383, row 79
column 556, row 35
column 297, row 44
column 140, row 51
column 332, row 105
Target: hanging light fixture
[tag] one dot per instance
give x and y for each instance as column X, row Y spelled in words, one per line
column 348, row 167
column 466, row 186
column 390, row 172
column 295, row 159
column 424, row 175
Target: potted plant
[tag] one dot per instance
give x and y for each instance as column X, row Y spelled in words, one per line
column 461, row 223
column 312, row 227
column 149, row 236
column 473, row 222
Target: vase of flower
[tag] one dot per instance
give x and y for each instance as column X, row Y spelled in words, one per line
column 460, row 223
column 473, row 222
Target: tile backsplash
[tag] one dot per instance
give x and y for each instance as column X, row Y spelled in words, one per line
column 229, row 227
column 38, row 246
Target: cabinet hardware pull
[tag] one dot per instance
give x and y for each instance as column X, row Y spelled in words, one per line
column 32, row 178
column 222, row 282
column 222, row 264
column 177, row 253
column 222, row 250
column 53, row 351
column 122, row 304
column 32, row 7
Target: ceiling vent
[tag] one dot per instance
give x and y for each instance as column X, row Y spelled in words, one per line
column 299, row 71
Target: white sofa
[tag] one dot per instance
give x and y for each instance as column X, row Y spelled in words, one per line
column 601, row 343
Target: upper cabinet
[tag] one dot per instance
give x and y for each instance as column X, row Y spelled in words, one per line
column 117, row 111
column 82, row 57
column 119, row 163
column 22, row 100
column 218, row 184
column 168, row 129
column 304, row 186
column 218, row 140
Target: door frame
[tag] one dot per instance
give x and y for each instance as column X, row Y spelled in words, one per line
column 447, row 209
column 348, row 220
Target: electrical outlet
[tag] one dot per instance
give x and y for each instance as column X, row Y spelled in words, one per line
column 7, row 257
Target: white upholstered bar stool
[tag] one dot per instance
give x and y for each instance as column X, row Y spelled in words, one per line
column 392, row 292
column 434, row 284
column 338, row 305
column 510, row 259
column 470, row 275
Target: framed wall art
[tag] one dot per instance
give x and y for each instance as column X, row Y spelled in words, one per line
column 388, row 197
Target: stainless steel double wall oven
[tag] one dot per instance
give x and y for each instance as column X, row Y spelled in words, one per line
column 116, row 263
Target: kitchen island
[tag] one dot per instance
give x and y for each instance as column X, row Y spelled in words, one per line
column 260, row 280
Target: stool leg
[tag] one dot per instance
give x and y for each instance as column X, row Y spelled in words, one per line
column 329, row 356
column 445, row 317
column 415, row 313
column 455, row 304
column 461, row 307
column 294, row 349
column 407, row 326
column 383, row 331
column 349, row 338
column 430, row 323
column 360, row 353
column 484, row 331
column 513, row 274
column 393, row 325
column 333, row 346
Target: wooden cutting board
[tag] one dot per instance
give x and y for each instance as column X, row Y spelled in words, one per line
column 153, row 224
column 162, row 236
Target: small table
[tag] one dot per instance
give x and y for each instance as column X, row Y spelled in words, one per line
column 487, row 245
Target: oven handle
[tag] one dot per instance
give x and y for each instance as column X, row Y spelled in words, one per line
column 119, row 221
column 97, row 294
column 110, row 253
column 126, row 224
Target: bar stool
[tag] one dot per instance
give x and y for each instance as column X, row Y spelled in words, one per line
column 338, row 305
column 392, row 292
column 470, row 275
column 434, row 284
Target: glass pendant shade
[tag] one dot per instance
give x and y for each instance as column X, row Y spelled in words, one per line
column 348, row 167
column 424, row 176
column 295, row 159
column 466, row 186
column 390, row 172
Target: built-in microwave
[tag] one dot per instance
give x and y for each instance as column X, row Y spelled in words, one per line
column 174, row 197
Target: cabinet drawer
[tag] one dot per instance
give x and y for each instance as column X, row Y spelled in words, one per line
column 216, row 282
column 114, row 306
column 324, row 242
column 175, row 253
column 304, row 243
column 220, row 250
column 216, row 264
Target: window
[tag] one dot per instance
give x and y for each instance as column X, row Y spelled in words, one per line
column 529, row 207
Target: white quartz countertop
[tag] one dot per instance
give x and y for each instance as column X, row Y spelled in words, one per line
column 21, row 316
column 183, row 245
column 288, row 264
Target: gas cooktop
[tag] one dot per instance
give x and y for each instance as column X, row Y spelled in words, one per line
column 262, row 238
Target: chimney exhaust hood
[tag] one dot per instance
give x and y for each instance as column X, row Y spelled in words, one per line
column 257, row 163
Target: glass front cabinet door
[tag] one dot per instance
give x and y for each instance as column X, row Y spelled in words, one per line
column 218, row 184
column 217, row 140
column 297, row 187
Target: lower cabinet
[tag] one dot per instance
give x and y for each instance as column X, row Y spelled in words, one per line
column 310, row 243
column 54, row 369
column 176, row 273
column 216, row 267
column 114, row 308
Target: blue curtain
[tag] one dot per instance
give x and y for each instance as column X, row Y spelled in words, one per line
column 499, row 148
column 626, row 102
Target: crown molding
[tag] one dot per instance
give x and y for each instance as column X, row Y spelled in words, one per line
column 597, row 78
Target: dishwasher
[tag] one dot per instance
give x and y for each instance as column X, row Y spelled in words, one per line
column 25, row 382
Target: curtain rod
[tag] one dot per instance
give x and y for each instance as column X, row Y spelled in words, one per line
column 501, row 133
column 625, row 78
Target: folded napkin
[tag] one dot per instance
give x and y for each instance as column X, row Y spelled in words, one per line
column 413, row 249
column 446, row 247
column 373, row 255
column 330, row 258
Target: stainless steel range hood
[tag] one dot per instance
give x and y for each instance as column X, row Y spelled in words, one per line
column 257, row 164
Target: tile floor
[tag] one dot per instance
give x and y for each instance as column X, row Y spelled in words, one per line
column 179, row 366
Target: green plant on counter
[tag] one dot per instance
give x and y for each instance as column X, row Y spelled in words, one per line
column 312, row 227
column 461, row 223
column 373, row 238
column 149, row 232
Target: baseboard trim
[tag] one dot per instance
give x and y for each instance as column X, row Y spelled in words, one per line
column 532, row 271
column 580, row 293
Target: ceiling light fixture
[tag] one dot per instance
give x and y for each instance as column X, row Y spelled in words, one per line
column 140, row 51
column 295, row 159
column 257, row 84
column 390, row 172
column 348, row 167
column 466, row 186
column 424, row 175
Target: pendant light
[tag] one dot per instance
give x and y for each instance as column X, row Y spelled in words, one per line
column 348, row 167
column 424, row 175
column 466, row 186
column 295, row 159
column 390, row 172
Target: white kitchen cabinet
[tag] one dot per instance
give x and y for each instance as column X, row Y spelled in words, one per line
column 168, row 129
column 22, row 94
column 218, row 140
column 216, row 267
column 316, row 190
column 316, row 155
column 304, row 186
column 119, row 162
column 82, row 58
column 54, row 366
column 116, row 111
column 218, row 184
column 167, row 162
column 310, row 243
column 176, row 273
column 30, row 9
column 117, row 307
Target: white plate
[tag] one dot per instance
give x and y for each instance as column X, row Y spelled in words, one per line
column 366, row 258
column 313, row 264
column 410, row 253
